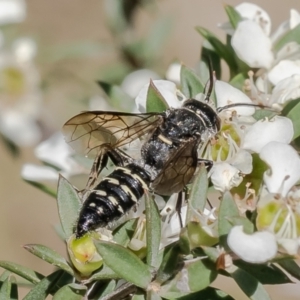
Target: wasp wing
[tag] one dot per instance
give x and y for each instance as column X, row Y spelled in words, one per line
column 88, row 131
column 178, row 170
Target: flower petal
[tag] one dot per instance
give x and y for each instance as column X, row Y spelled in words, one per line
column 286, row 89
column 255, row 13
column 38, row 173
column 284, row 163
column 12, row 11
column 224, row 176
column 252, row 45
column 227, row 94
column 284, row 69
column 258, row 247
column 278, row 129
column 294, row 18
column 136, row 80
column 166, row 88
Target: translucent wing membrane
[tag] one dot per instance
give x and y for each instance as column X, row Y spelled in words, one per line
column 178, row 171
column 88, row 131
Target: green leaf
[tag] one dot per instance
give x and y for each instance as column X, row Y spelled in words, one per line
column 117, row 98
column 70, row 291
column 5, row 289
column 292, row 111
column 246, row 223
column 233, row 15
column 222, row 50
column 195, row 276
column 155, row 100
column 42, row 289
column 250, row 285
column 264, row 113
column 291, row 36
column 46, row 189
column 103, row 274
column 227, row 209
column 69, row 205
column 198, row 192
column 124, row 263
column 12, row 148
column 124, row 233
column 190, row 82
column 207, row 55
column 152, row 295
column 138, row 297
column 171, row 260
column 210, row 293
column 26, row 273
column 153, row 231
column 291, row 267
column 101, row 290
column 265, row 274
column 50, row 256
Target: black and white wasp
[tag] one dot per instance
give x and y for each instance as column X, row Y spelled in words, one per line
column 168, row 160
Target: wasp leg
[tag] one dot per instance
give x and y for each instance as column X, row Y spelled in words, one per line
column 178, row 206
column 117, row 156
column 207, row 163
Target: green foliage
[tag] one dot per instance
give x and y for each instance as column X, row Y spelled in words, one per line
column 183, row 264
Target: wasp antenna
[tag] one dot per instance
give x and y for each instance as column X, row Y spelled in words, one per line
column 220, row 109
column 210, row 82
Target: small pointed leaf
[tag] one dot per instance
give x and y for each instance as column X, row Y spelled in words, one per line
column 26, row 273
column 196, row 275
column 198, row 192
column 104, row 273
column 5, row 289
column 190, row 82
column 250, row 285
column 123, row 234
column 233, row 15
column 46, row 189
column 265, row 274
column 42, row 289
column 153, row 231
column 291, row 267
column 292, row 111
column 69, row 205
column 291, row 36
column 70, row 291
column 227, row 209
column 50, row 256
column 155, row 100
column 124, row 263
column 210, row 293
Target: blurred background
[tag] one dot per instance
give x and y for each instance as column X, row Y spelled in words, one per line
column 52, row 55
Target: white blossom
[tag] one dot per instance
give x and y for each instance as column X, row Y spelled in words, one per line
column 12, row 11
column 258, row 247
column 284, row 164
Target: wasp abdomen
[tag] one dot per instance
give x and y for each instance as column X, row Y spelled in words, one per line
column 114, row 196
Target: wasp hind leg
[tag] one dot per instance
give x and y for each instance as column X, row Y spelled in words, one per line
column 118, row 157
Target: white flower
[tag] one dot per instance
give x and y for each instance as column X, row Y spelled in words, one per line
column 25, row 49
column 278, row 129
column 258, row 247
column 166, row 88
column 256, row 14
column 173, row 72
column 227, row 94
column 20, row 99
column 54, row 152
column 284, row 164
column 252, row 45
column 136, row 80
column 283, row 70
column 224, row 176
column 12, row 11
